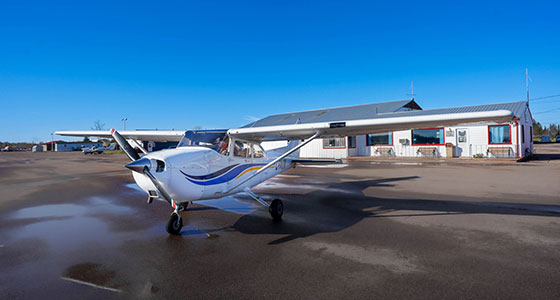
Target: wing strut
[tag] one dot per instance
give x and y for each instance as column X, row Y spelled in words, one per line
column 279, row 158
column 135, row 142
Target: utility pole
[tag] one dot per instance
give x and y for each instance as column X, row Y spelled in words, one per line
column 124, row 123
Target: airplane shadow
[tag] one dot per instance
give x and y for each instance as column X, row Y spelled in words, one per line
column 341, row 205
column 547, row 156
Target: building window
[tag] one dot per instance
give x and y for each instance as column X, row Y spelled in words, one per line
column 334, row 143
column 352, row 142
column 380, row 139
column 499, row 134
column 522, row 133
column 431, row 136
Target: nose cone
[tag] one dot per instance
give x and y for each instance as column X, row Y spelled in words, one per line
column 139, row 165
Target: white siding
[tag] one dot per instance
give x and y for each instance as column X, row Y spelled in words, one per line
column 477, row 143
column 315, row 150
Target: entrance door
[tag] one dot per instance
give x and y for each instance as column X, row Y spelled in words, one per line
column 463, row 146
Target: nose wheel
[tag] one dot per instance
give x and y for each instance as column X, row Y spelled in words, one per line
column 174, row 224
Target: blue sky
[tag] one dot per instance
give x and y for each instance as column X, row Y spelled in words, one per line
column 218, row 64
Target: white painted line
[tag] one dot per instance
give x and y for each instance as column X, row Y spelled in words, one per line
column 91, row 284
column 332, row 166
column 396, row 163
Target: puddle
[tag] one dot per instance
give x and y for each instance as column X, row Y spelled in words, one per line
column 54, row 210
column 105, row 204
column 66, row 226
column 298, row 189
column 63, row 236
column 135, row 187
column 231, row 204
column 191, row 230
column 97, row 204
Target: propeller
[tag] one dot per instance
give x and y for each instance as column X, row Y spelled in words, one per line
column 128, row 150
column 140, row 165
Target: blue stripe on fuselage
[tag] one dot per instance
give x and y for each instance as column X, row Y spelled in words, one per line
column 222, row 179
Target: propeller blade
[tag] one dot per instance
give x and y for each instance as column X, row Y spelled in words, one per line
column 128, row 150
column 158, row 186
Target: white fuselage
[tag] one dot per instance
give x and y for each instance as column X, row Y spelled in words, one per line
column 198, row 173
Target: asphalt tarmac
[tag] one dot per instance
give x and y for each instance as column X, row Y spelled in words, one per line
column 76, row 227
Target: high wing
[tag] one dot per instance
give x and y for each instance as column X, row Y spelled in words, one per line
column 144, row 135
column 358, row 127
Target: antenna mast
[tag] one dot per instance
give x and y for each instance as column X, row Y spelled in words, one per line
column 412, row 89
column 527, row 82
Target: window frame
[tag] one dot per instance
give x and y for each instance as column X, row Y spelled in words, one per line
column 335, row 147
column 260, row 148
column 498, row 125
column 373, row 145
column 412, row 136
column 249, row 149
column 355, row 141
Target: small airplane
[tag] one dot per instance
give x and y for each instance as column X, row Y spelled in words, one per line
column 210, row 164
column 98, row 150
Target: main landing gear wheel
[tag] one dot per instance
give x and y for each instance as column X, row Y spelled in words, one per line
column 276, row 209
column 174, row 224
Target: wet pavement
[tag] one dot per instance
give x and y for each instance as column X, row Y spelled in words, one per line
column 73, row 226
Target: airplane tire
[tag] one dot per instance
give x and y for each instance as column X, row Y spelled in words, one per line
column 174, row 224
column 276, row 209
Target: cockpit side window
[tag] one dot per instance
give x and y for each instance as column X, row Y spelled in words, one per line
column 258, row 151
column 242, row 149
column 223, row 147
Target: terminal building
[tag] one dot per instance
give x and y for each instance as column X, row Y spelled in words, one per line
column 61, row 146
column 485, row 139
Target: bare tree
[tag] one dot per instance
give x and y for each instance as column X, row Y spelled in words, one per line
column 196, row 128
column 97, row 125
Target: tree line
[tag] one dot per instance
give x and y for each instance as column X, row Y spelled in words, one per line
column 539, row 130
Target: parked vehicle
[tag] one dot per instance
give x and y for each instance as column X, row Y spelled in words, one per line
column 545, row 139
column 98, row 150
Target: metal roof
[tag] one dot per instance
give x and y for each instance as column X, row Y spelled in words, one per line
column 379, row 110
column 517, row 108
column 356, row 112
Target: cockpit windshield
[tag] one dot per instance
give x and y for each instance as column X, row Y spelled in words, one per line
column 204, row 138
